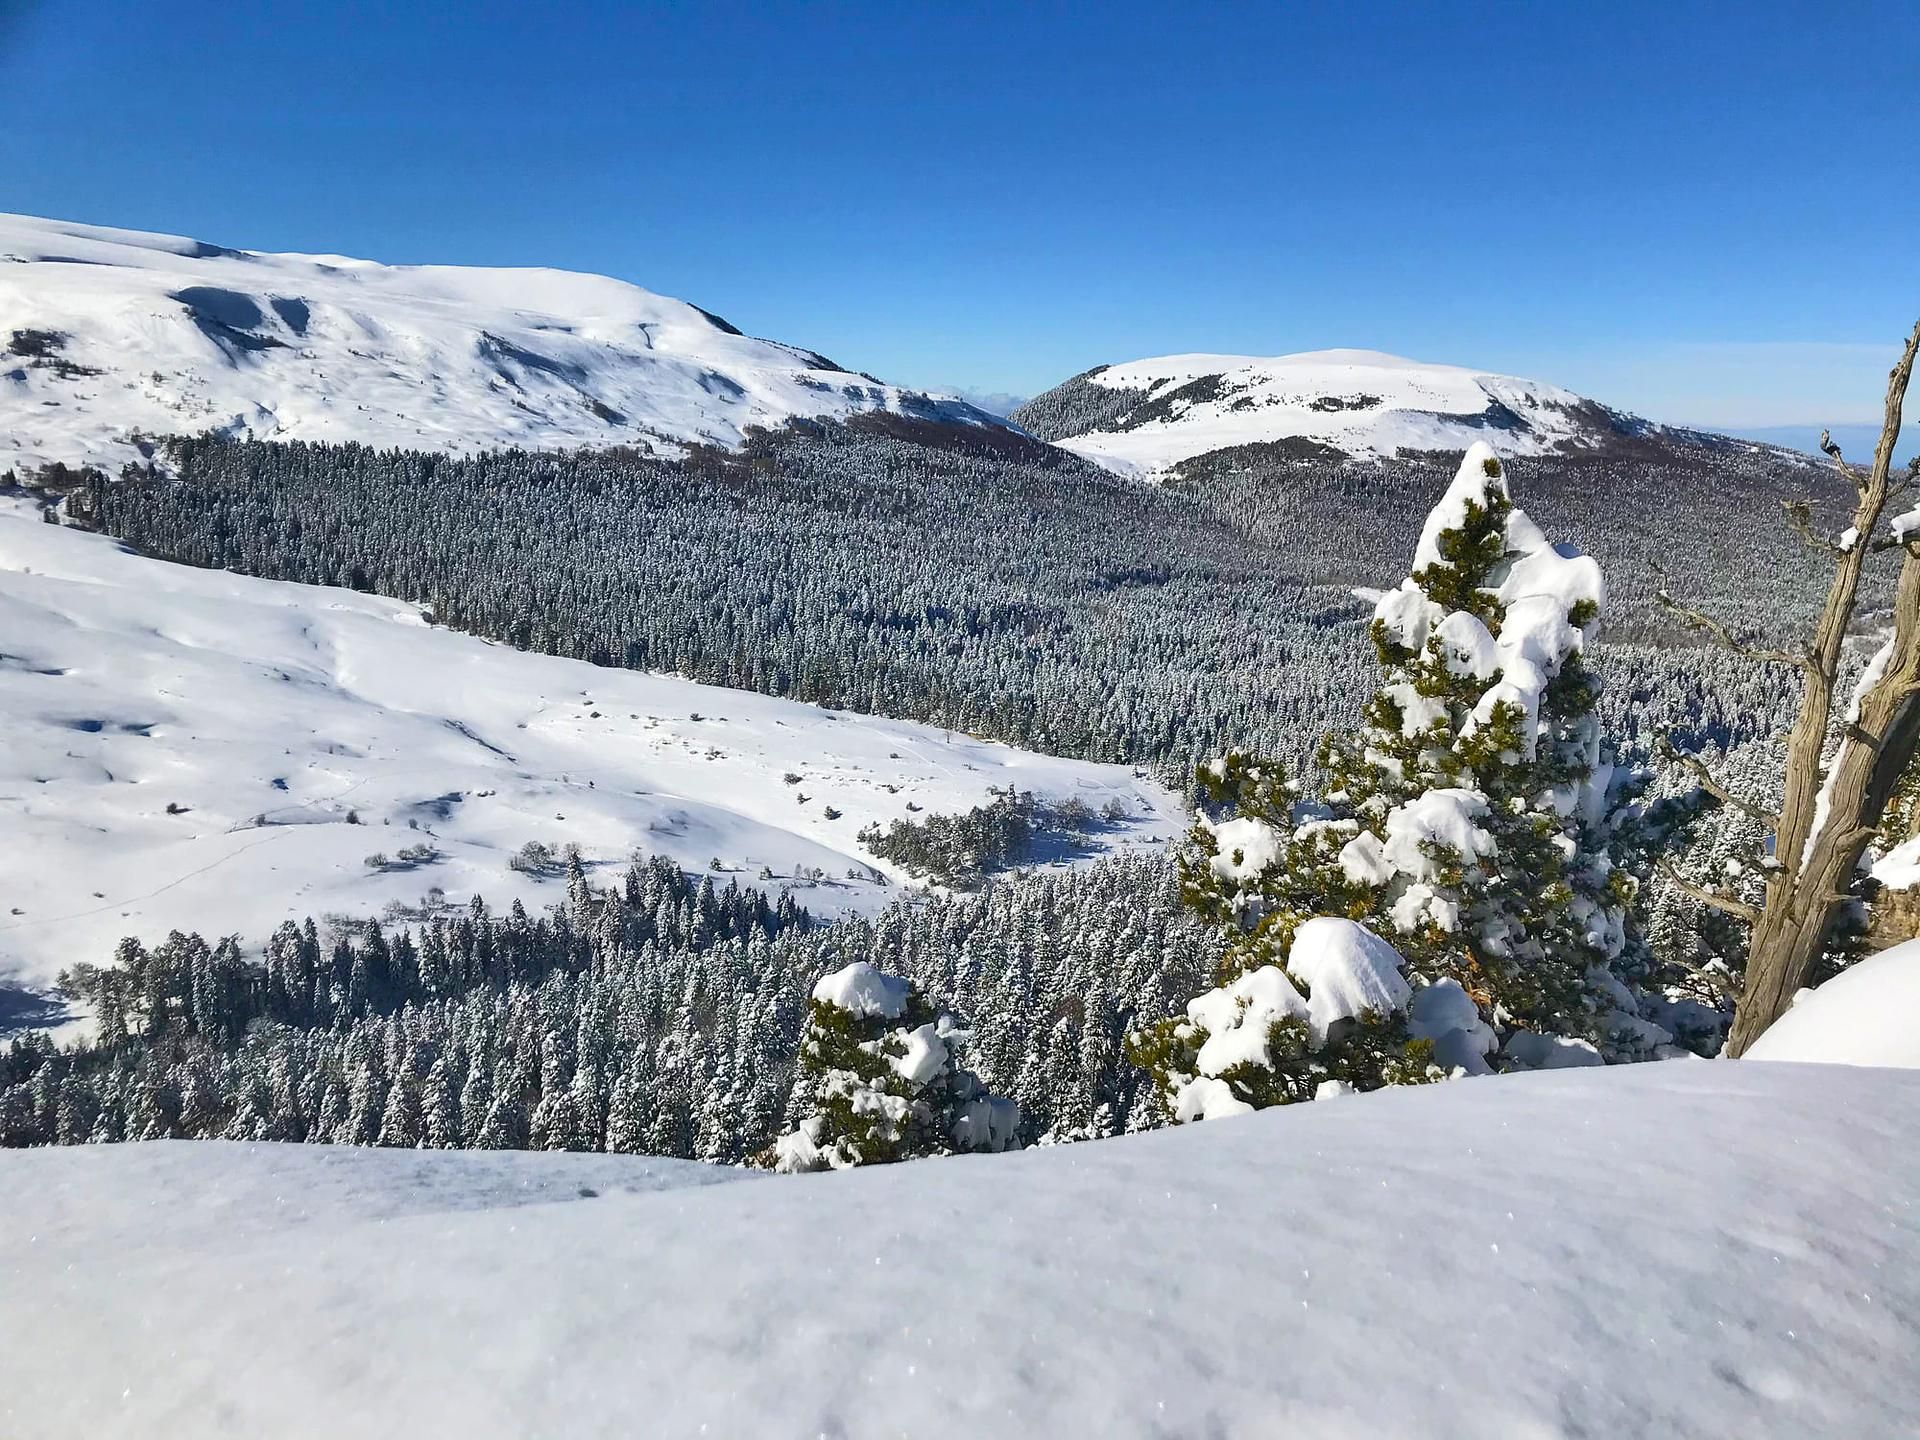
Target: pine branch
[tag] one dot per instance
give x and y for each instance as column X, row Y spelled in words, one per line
column 1699, row 620
column 1719, row 900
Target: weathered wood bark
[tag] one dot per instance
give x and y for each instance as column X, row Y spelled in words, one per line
column 1828, row 815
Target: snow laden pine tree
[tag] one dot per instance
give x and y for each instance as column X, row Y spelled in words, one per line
column 1469, row 819
column 880, row 1080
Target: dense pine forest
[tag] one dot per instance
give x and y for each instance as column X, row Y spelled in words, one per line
column 1021, row 595
column 1028, row 597
column 660, row 1015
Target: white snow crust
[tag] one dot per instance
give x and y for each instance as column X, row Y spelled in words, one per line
column 865, row 990
column 1688, row 1251
column 271, row 712
column 1868, row 1014
column 185, row 337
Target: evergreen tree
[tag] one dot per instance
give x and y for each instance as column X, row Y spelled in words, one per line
column 1471, row 817
column 880, row 1080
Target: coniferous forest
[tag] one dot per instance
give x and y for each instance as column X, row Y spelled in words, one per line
column 1032, row 599
column 1024, row 596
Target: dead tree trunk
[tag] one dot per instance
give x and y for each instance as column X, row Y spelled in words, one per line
column 1828, row 814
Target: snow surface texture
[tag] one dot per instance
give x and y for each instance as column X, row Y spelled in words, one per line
column 1868, row 1014
column 270, row 712
column 1899, row 868
column 1671, row 1250
column 129, row 332
column 1362, row 402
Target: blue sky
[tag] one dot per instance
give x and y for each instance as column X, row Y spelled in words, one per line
column 1706, row 213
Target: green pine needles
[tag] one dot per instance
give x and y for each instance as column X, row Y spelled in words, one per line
column 880, row 1081
column 1470, row 819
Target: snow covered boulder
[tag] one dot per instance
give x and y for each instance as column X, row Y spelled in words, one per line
column 1866, row 1015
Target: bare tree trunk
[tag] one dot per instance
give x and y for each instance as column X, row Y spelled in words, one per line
column 1827, row 816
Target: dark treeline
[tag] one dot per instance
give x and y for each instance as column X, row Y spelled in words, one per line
column 1034, row 600
column 962, row 850
column 1704, row 523
column 1045, row 604
column 660, row 1016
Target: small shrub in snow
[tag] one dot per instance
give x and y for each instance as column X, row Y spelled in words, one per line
column 880, row 1080
column 533, row 858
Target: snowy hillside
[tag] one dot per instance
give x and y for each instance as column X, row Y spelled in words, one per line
column 1683, row 1250
column 1149, row 415
column 106, row 335
column 188, row 748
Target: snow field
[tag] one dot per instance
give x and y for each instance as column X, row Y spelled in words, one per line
column 272, row 715
column 426, row 357
column 1684, row 1250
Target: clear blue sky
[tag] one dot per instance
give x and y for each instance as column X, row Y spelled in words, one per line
column 1707, row 213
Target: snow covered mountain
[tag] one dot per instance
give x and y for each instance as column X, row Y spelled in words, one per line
column 1683, row 1250
column 195, row 749
column 109, row 338
column 1147, row 416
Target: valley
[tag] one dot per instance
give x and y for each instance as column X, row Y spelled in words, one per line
column 191, row 749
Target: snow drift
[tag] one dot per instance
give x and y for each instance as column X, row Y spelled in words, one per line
column 1684, row 1250
column 113, row 338
column 1868, row 1014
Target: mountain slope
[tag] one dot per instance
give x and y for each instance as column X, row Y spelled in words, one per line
column 195, row 749
column 1148, row 416
column 106, row 335
column 1684, row 1250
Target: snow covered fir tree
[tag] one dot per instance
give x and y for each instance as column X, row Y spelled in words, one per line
column 1453, row 899
column 880, row 1080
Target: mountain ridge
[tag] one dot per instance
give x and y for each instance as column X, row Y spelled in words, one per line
column 1150, row 416
column 429, row 357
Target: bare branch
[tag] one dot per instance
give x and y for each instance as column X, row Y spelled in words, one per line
column 1720, row 901
column 1800, row 520
column 1697, row 620
column 1706, row 781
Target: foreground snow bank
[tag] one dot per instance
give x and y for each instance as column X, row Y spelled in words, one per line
column 1675, row 1250
column 1867, row 1015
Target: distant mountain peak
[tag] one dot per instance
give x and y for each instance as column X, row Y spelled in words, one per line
column 110, row 338
column 1149, row 416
